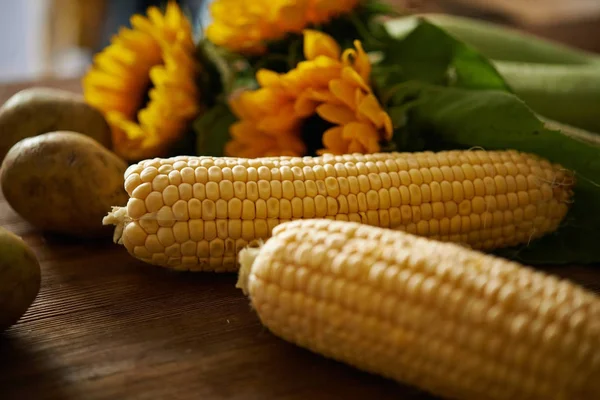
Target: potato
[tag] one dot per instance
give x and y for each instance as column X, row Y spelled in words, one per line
column 63, row 182
column 20, row 278
column 38, row 110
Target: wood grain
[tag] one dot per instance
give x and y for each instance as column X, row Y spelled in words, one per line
column 106, row 326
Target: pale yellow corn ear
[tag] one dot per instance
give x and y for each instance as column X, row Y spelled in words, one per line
column 196, row 213
column 452, row 321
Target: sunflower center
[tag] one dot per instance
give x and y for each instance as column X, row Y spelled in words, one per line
column 312, row 131
column 145, row 98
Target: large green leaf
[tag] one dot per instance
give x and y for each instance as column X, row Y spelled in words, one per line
column 446, row 118
column 428, row 54
column 496, row 41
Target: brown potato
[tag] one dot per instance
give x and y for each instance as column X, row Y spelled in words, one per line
column 20, row 278
column 38, row 110
column 63, row 182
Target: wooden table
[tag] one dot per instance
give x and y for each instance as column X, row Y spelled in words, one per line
column 106, row 326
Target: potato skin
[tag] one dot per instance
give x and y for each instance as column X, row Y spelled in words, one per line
column 20, row 278
column 39, row 110
column 63, row 182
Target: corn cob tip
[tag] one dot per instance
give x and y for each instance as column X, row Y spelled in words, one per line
column 117, row 217
column 246, row 257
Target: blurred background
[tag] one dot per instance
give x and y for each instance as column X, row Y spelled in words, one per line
column 46, row 39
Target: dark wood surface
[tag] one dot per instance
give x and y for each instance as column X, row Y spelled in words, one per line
column 106, row 326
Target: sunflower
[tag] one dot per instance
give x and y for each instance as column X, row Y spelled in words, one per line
column 246, row 26
column 330, row 84
column 144, row 83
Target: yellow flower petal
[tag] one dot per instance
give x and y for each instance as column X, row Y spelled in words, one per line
column 101, row 79
column 358, row 60
column 292, row 16
column 132, row 130
column 323, row 10
column 108, row 100
column 334, row 88
column 249, row 142
column 354, row 129
column 246, row 26
column 361, row 138
column 266, row 99
column 158, row 50
column 284, row 120
column 142, row 24
column 317, row 43
column 173, row 16
column 333, row 140
column 106, row 62
column 362, row 64
column 369, row 143
column 388, row 127
column 336, row 114
column 323, row 96
column 160, row 76
column 354, row 146
column 370, row 108
column 305, row 104
column 352, row 77
column 155, row 16
column 265, row 78
column 343, row 92
column 242, row 106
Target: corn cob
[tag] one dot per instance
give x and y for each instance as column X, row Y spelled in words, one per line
column 450, row 320
column 196, row 213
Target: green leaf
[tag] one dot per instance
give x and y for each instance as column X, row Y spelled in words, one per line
column 373, row 8
column 428, row 54
column 216, row 74
column 497, row 41
column 450, row 118
column 212, row 130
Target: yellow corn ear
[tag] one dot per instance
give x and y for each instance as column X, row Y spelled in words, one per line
column 196, row 213
column 450, row 320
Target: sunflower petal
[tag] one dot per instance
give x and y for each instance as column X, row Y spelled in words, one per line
column 107, row 101
column 292, row 16
column 158, row 49
column 388, row 127
column 355, row 147
column 369, row 143
column 132, row 130
column 336, row 114
column 246, row 26
column 101, row 79
column 352, row 130
column 343, row 92
column 369, row 107
column 156, row 17
column 317, row 43
column 323, row 96
column 251, row 143
column 352, row 77
column 362, row 64
column 285, row 120
column 173, row 15
column 266, row 77
column 142, row 24
column 161, row 77
column 305, row 105
column 333, row 140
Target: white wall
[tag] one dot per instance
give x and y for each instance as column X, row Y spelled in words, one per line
column 22, row 32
